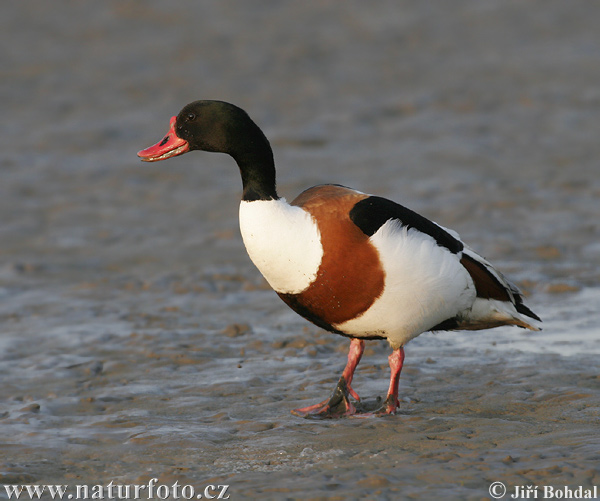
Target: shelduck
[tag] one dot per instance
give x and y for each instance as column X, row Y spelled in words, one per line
column 354, row 264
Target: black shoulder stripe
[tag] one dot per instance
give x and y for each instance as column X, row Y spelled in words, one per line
column 372, row 213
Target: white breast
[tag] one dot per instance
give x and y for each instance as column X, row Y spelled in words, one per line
column 283, row 242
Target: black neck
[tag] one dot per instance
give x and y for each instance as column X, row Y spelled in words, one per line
column 257, row 167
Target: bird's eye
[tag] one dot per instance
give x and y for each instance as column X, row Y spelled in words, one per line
column 190, row 117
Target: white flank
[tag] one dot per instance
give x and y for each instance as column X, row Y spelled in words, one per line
column 425, row 284
column 283, row 242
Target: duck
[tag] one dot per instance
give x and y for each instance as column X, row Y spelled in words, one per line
column 354, row 264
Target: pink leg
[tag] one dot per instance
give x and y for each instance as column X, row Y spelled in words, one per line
column 396, row 360
column 338, row 404
column 357, row 347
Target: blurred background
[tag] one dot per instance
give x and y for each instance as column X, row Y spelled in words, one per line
column 482, row 116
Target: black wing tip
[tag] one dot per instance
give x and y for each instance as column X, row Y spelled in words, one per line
column 521, row 308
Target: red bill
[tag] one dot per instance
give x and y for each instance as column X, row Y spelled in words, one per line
column 169, row 146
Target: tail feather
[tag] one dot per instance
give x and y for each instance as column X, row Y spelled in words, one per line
column 498, row 302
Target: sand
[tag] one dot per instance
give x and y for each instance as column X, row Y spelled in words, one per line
column 139, row 342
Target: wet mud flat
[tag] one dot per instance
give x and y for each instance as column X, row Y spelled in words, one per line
column 137, row 341
column 152, row 389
